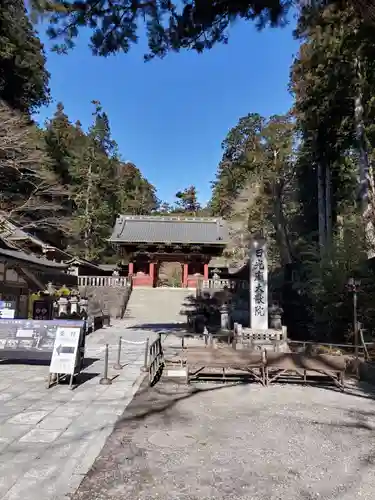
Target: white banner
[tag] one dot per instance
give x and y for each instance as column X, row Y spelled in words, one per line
column 258, row 285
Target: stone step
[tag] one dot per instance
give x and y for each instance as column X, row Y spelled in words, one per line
column 157, row 305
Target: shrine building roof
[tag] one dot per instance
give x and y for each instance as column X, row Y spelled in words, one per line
column 22, row 257
column 170, row 229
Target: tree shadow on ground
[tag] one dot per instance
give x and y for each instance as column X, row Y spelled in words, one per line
column 204, row 309
column 359, row 389
column 28, row 362
column 160, row 399
column 159, row 327
column 148, row 401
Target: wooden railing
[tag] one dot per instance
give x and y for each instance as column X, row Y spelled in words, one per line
column 156, row 361
column 99, row 281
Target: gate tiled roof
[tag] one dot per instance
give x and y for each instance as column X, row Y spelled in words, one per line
column 170, row 229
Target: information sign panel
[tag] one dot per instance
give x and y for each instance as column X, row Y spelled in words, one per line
column 64, row 354
column 24, row 339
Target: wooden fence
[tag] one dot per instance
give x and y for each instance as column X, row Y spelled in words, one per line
column 156, row 361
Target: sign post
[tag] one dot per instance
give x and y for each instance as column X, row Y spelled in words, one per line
column 65, row 353
column 258, row 285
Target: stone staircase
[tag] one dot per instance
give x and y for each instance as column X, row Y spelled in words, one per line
column 157, row 307
column 161, row 310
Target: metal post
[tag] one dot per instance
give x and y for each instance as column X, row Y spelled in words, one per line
column 105, row 380
column 117, row 365
column 355, row 321
column 145, row 362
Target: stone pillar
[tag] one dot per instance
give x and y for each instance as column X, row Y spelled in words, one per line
column 258, row 284
column 131, row 268
column 224, row 313
column 83, row 305
column 74, row 304
column 63, row 305
column 151, row 271
column 185, row 275
column 205, row 272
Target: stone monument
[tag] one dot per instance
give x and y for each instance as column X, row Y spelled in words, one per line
column 259, row 335
column 258, row 284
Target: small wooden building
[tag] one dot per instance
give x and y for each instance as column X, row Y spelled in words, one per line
column 82, row 267
column 22, row 273
column 148, row 243
column 30, row 244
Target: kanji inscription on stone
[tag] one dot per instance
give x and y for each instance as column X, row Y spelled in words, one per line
column 258, row 285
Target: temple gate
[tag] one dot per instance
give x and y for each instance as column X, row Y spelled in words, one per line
column 168, row 250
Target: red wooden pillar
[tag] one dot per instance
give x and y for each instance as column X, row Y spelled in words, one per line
column 131, row 268
column 185, row 275
column 205, row 272
column 152, row 272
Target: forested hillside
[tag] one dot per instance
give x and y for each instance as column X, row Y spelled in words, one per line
column 60, row 181
column 305, row 180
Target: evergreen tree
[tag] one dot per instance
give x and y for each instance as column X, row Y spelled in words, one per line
column 23, row 76
column 191, row 24
column 94, row 187
column 239, row 157
column 135, row 194
column 255, row 185
column 333, row 82
column 188, row 201
column 63, row 141
column 101, row 186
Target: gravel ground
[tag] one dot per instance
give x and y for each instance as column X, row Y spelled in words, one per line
column 239, row 442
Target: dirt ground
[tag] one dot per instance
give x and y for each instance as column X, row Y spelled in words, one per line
column 239, row 442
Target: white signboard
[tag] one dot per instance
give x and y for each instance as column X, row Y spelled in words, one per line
column 7, row 309
column 25, row 333
column 182, row 372
column 258, row 285
column 65, row 350
column 7, row 313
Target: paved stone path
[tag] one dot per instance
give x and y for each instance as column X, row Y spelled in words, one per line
column 49, row 438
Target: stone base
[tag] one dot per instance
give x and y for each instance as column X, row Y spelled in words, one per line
column 269, row 340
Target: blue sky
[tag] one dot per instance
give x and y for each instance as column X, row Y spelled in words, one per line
column 170, row 116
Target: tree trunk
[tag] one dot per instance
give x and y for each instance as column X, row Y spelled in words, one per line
column 321, row 208
column 88, row 218
column 281, row 231
column 328, row 205
column 365, row 183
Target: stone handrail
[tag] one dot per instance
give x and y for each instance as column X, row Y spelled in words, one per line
column 219, row 284
column 99, row 281
column 259, row 336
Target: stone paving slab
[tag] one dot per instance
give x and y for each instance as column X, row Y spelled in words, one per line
column 49, row 438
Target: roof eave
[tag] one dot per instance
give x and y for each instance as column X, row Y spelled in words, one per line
column 22, row 259
column 219, row 243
